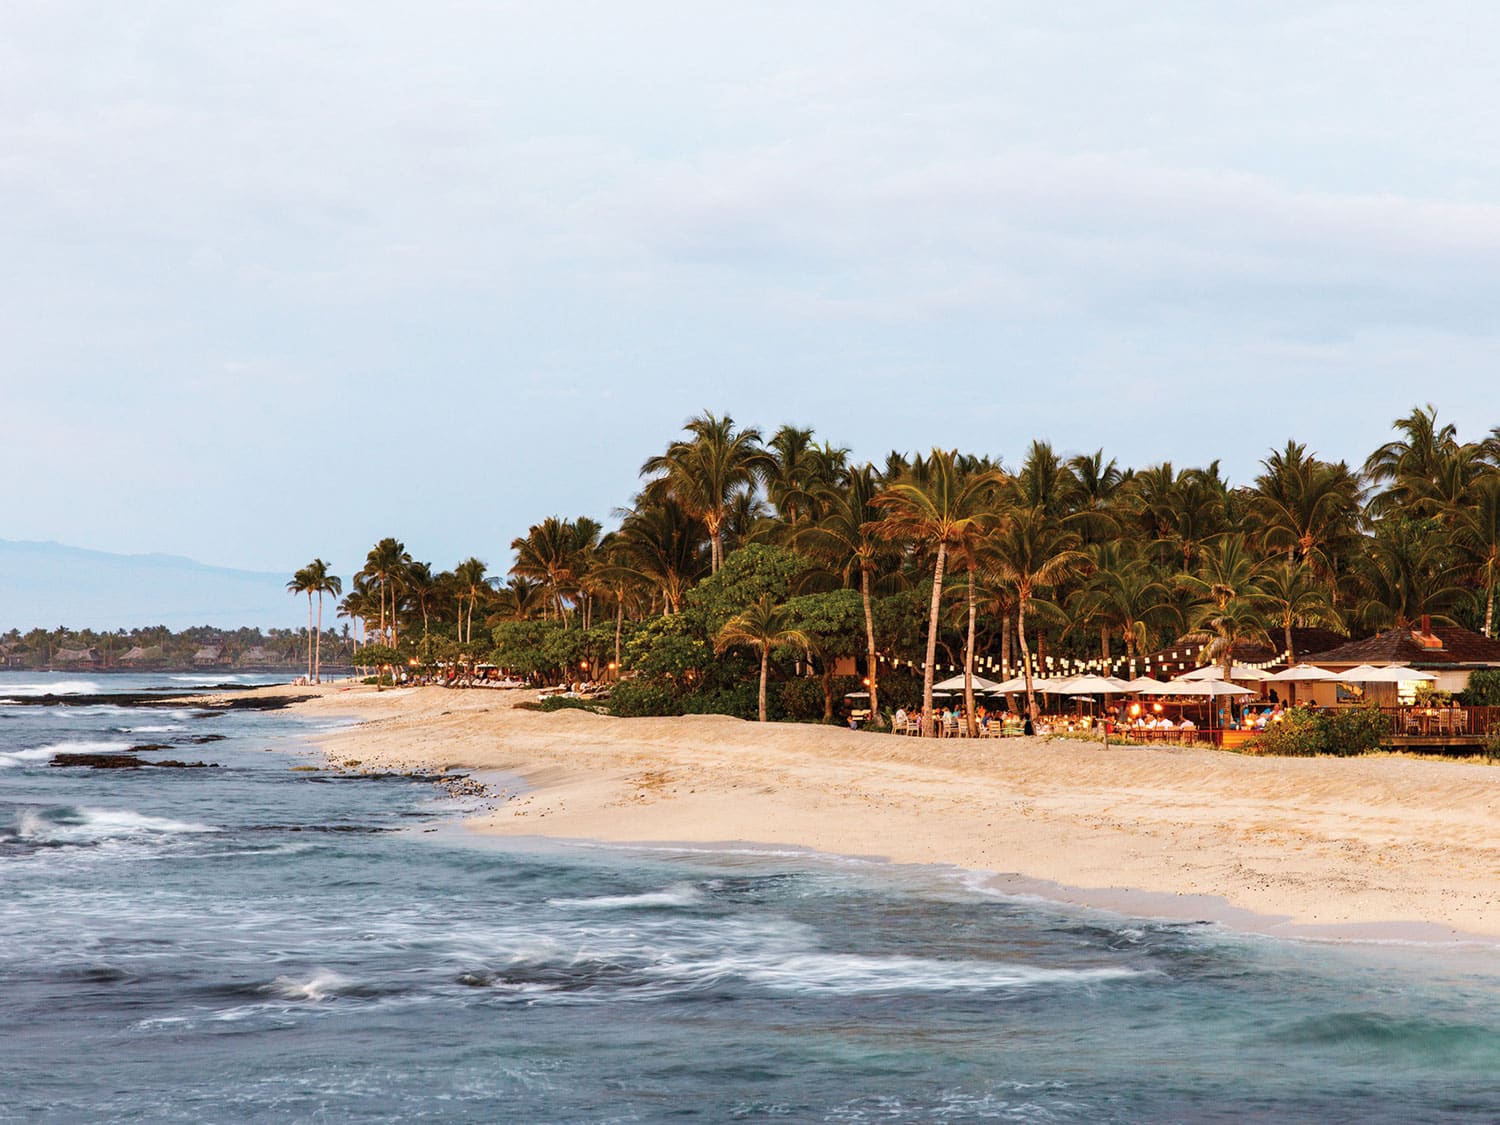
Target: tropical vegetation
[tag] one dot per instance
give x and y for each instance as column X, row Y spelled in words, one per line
column 772, row 575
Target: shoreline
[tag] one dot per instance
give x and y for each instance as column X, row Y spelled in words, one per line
column 1384, row 850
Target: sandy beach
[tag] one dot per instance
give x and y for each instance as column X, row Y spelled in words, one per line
column 1385, row 846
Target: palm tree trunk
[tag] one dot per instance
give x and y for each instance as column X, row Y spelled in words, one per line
column 619, row 629
column 972, row 722
column 864, row 589
column 318, row 644
column 1291, row 656
column 1005, row 654
column 1025, row 657
column 309, row 637
column 827, row 692
column 932, row 627
column 765, row 660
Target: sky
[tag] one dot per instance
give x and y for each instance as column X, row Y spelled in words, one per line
column 282, row 279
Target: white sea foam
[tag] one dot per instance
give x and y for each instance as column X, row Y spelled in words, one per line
column 149, row 730
column 89, row 825
column 679, row 895
column 848, row 974
column 53, row 687
column 320, row 986
column 43, row 753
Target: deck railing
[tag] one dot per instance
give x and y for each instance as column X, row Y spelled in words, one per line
column 1441, row 722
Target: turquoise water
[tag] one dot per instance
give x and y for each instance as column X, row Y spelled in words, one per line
column 259, row 943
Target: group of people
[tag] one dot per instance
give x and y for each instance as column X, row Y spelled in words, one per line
column 950, row 718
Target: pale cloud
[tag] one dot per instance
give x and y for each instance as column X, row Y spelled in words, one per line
column 249, row 244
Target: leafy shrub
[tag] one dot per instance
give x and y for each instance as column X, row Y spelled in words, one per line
column 1299, row 734
column 562, row 703
column 642, row 697
column 800, row 699
column 1492, row 744
column 1345, row 733
column 1483, row 689
column 742, row 701
column 1352, row 731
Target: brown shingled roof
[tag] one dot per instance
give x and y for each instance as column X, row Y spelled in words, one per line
column 1461, row 648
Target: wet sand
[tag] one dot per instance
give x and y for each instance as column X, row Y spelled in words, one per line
column 1370, row 847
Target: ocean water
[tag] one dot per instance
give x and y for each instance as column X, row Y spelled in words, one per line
column 270, row 943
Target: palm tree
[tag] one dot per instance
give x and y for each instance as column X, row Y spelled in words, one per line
column 1125, row 594
column 548, row 553
column 1405, row 572
column 843, row 540
column 322, row 582
column 662, row 541
column 1240, row 620
column 763, row 626
column 1031, row 552
column 358, row 604
column 949, row 510
column 421, row 586
column 705, row 472
column 1306, row 507
column 302, row 583
column 519, row 599
column 383, row 567
column 469, row 577
column 1476, row 533
column 1425, row 469
column 1291, row 595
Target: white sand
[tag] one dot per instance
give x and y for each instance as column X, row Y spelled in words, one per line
column 1318, row 842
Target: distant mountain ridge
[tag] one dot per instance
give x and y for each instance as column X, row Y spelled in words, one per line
column 44, row 585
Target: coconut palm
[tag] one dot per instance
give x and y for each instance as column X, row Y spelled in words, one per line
column 322, row 582
column 763, row 626
column 517, row 600
column 842, row 540
column 471, row 582
column 302, row 583
column 946, row 511
column 1306, row 507
column 359, row 603
column 383, row 568
column 422, row 588
column 555, row 553
column 1424, row 466
column 1031, row 552
column 1124, row 594
column 1406, row 571
column 1476, row 534
column 661, row 540
column 706, row 471
column 1223, row 626
column 1292, row 596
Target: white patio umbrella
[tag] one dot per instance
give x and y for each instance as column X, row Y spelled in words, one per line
column 1097, row 685
column 1145, row 685
column 956, row 683
column 1018, row 683
column 1060, row 686
column 1394, row 674
column 1212, row 689
column 1214, row 672
column 1303, row 673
